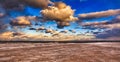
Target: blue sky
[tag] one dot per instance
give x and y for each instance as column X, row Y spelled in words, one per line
column 81, row 6
column 84, row 6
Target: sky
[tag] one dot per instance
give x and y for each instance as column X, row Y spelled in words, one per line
column 84, row 6
column 80, row 7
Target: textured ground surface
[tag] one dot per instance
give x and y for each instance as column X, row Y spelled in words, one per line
column 60, row 52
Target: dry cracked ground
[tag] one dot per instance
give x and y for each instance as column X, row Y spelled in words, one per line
column 60, row 52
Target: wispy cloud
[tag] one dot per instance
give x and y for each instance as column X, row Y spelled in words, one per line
column 99, row 14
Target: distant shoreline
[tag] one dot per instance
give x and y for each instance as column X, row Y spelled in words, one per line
column 75, row 41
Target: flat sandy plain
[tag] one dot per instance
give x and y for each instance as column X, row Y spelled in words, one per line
column 60, row 52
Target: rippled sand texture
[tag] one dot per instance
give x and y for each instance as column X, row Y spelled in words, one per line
column 60, row 52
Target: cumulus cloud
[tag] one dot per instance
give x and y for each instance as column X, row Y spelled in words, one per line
column 20, row 21
column 48, row 31
column 99, row 14
column 41, row 28
column 54, row 13
column 62, row 24
column 60, row 12
column 6, row 35
column 12, row 36
column 10, row 33
column 65, row 31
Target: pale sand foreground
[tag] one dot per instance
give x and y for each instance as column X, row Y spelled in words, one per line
column 60, row 52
